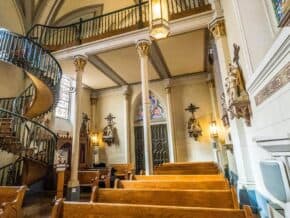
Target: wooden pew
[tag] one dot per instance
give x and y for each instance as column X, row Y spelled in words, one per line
column 164, row 184
column 184, row 198
column 195, row 164
column 63, row 209
column 88, row 177
column 123, row 171
column 181, row 177
column 193, row 168
column 11, row 199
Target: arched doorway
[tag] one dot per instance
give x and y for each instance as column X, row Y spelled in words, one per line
column 159, row 136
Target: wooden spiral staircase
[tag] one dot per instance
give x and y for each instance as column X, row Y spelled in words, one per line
column 21, row 131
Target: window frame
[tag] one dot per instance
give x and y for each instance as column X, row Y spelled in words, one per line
column 68, row 101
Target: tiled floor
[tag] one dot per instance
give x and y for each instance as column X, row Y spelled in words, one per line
column 38, row 205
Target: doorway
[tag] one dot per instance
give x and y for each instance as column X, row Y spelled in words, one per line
column 160, row 151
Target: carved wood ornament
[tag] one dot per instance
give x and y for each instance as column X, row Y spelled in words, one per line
column 238, row 98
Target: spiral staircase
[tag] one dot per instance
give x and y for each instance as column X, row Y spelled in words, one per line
column 21, row 130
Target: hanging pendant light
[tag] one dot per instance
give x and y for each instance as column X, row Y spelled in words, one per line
column 159, row 25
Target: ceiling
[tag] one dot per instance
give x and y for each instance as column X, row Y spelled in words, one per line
column 181, row 55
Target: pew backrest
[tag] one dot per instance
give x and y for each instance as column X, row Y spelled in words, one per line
column 185, row 198
column 187, row 168
column 181, row 177
column 123, row 170
column 11, row 199
column 164, row 184
column 63, row 209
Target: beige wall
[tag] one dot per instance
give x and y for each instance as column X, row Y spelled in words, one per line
column 10, row 18
column 109, row 5
column 184, row 92
column 62, row 125
column 11, row 80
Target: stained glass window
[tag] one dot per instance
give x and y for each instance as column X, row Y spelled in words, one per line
column 277, row 4
column 156, row 110
column 63, row 107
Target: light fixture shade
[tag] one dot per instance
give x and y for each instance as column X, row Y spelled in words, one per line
column 213, row 129
column 159, row 25
column 94, row 139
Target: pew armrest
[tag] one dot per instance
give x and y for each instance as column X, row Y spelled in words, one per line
column 116, row 183
column 248, row 212
column 57, row 210
column 94, row 193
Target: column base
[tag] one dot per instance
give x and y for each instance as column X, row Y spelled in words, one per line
column 73, row 193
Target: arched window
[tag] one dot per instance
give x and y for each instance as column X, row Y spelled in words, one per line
column 63, row 107
column 157, row 111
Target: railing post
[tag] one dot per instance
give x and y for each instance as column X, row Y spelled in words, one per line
column 80, row 32
column 140, row 24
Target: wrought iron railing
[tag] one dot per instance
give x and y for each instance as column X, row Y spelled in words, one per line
column 24, row 100
column 25, row 137
column 10, row 174
column 29, row 55
column 116, row 22
column 28, row 138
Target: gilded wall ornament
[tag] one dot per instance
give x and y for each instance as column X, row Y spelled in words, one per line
column 225, row 117
column 109, row 131
column 238, row 98
column 193, row 127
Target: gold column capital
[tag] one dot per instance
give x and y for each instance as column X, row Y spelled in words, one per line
column 143, row 47
column 80, row 62
column 218, row 28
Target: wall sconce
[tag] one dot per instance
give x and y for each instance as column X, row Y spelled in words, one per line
column 213, row 129
column 94, row 139
column 159, row 25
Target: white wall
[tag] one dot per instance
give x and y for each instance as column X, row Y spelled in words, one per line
column 184, row 92
column 264, row 52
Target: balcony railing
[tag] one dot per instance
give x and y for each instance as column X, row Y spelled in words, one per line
column 114, row 23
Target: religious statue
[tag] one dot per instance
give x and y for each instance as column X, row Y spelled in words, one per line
column 84, row 127
column 109, row 130
column 238, row 98
column 193, row 126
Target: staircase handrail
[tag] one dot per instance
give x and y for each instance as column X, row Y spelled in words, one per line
column 31, row 121
column 116, row 22
column 36, row 60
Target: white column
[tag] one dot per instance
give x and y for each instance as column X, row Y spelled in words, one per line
column 143, row 50
column 73, row 184
column 237, row 128
column 170, row 122
column 126, row 93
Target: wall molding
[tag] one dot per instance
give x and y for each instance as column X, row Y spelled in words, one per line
column 280, row 80
column 268, row 66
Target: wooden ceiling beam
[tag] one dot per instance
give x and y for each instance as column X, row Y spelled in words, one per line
column 106, row 70
column 158, row 61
